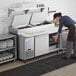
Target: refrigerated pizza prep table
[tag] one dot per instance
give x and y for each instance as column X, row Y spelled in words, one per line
column 33, row 40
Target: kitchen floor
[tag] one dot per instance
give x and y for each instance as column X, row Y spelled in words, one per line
column 69, row 70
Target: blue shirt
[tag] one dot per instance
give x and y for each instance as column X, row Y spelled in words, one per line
column 65, row 21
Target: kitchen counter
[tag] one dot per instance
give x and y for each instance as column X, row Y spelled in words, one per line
column 38, row 30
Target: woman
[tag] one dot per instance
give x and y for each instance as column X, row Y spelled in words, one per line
column 71, row 39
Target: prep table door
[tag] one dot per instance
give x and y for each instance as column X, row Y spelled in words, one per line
column 41, row 44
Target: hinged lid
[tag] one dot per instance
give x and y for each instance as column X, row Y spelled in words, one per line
column 21, row 16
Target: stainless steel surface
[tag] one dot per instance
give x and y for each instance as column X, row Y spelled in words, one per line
column 26, row 47
column 8, row 49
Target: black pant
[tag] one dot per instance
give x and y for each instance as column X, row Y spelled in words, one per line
column 71, row 43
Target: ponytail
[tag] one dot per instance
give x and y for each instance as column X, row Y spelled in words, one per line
column 59, row 14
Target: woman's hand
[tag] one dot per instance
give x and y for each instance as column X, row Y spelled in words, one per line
column 57, row 34
column 56, row 38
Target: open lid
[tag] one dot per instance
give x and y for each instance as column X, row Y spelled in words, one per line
column 20, row 20
column 21, row 17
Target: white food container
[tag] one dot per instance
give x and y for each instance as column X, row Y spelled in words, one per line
column 2, row 44
column 9, row 43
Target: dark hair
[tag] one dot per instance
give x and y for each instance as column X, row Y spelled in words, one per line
column 57, row 15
